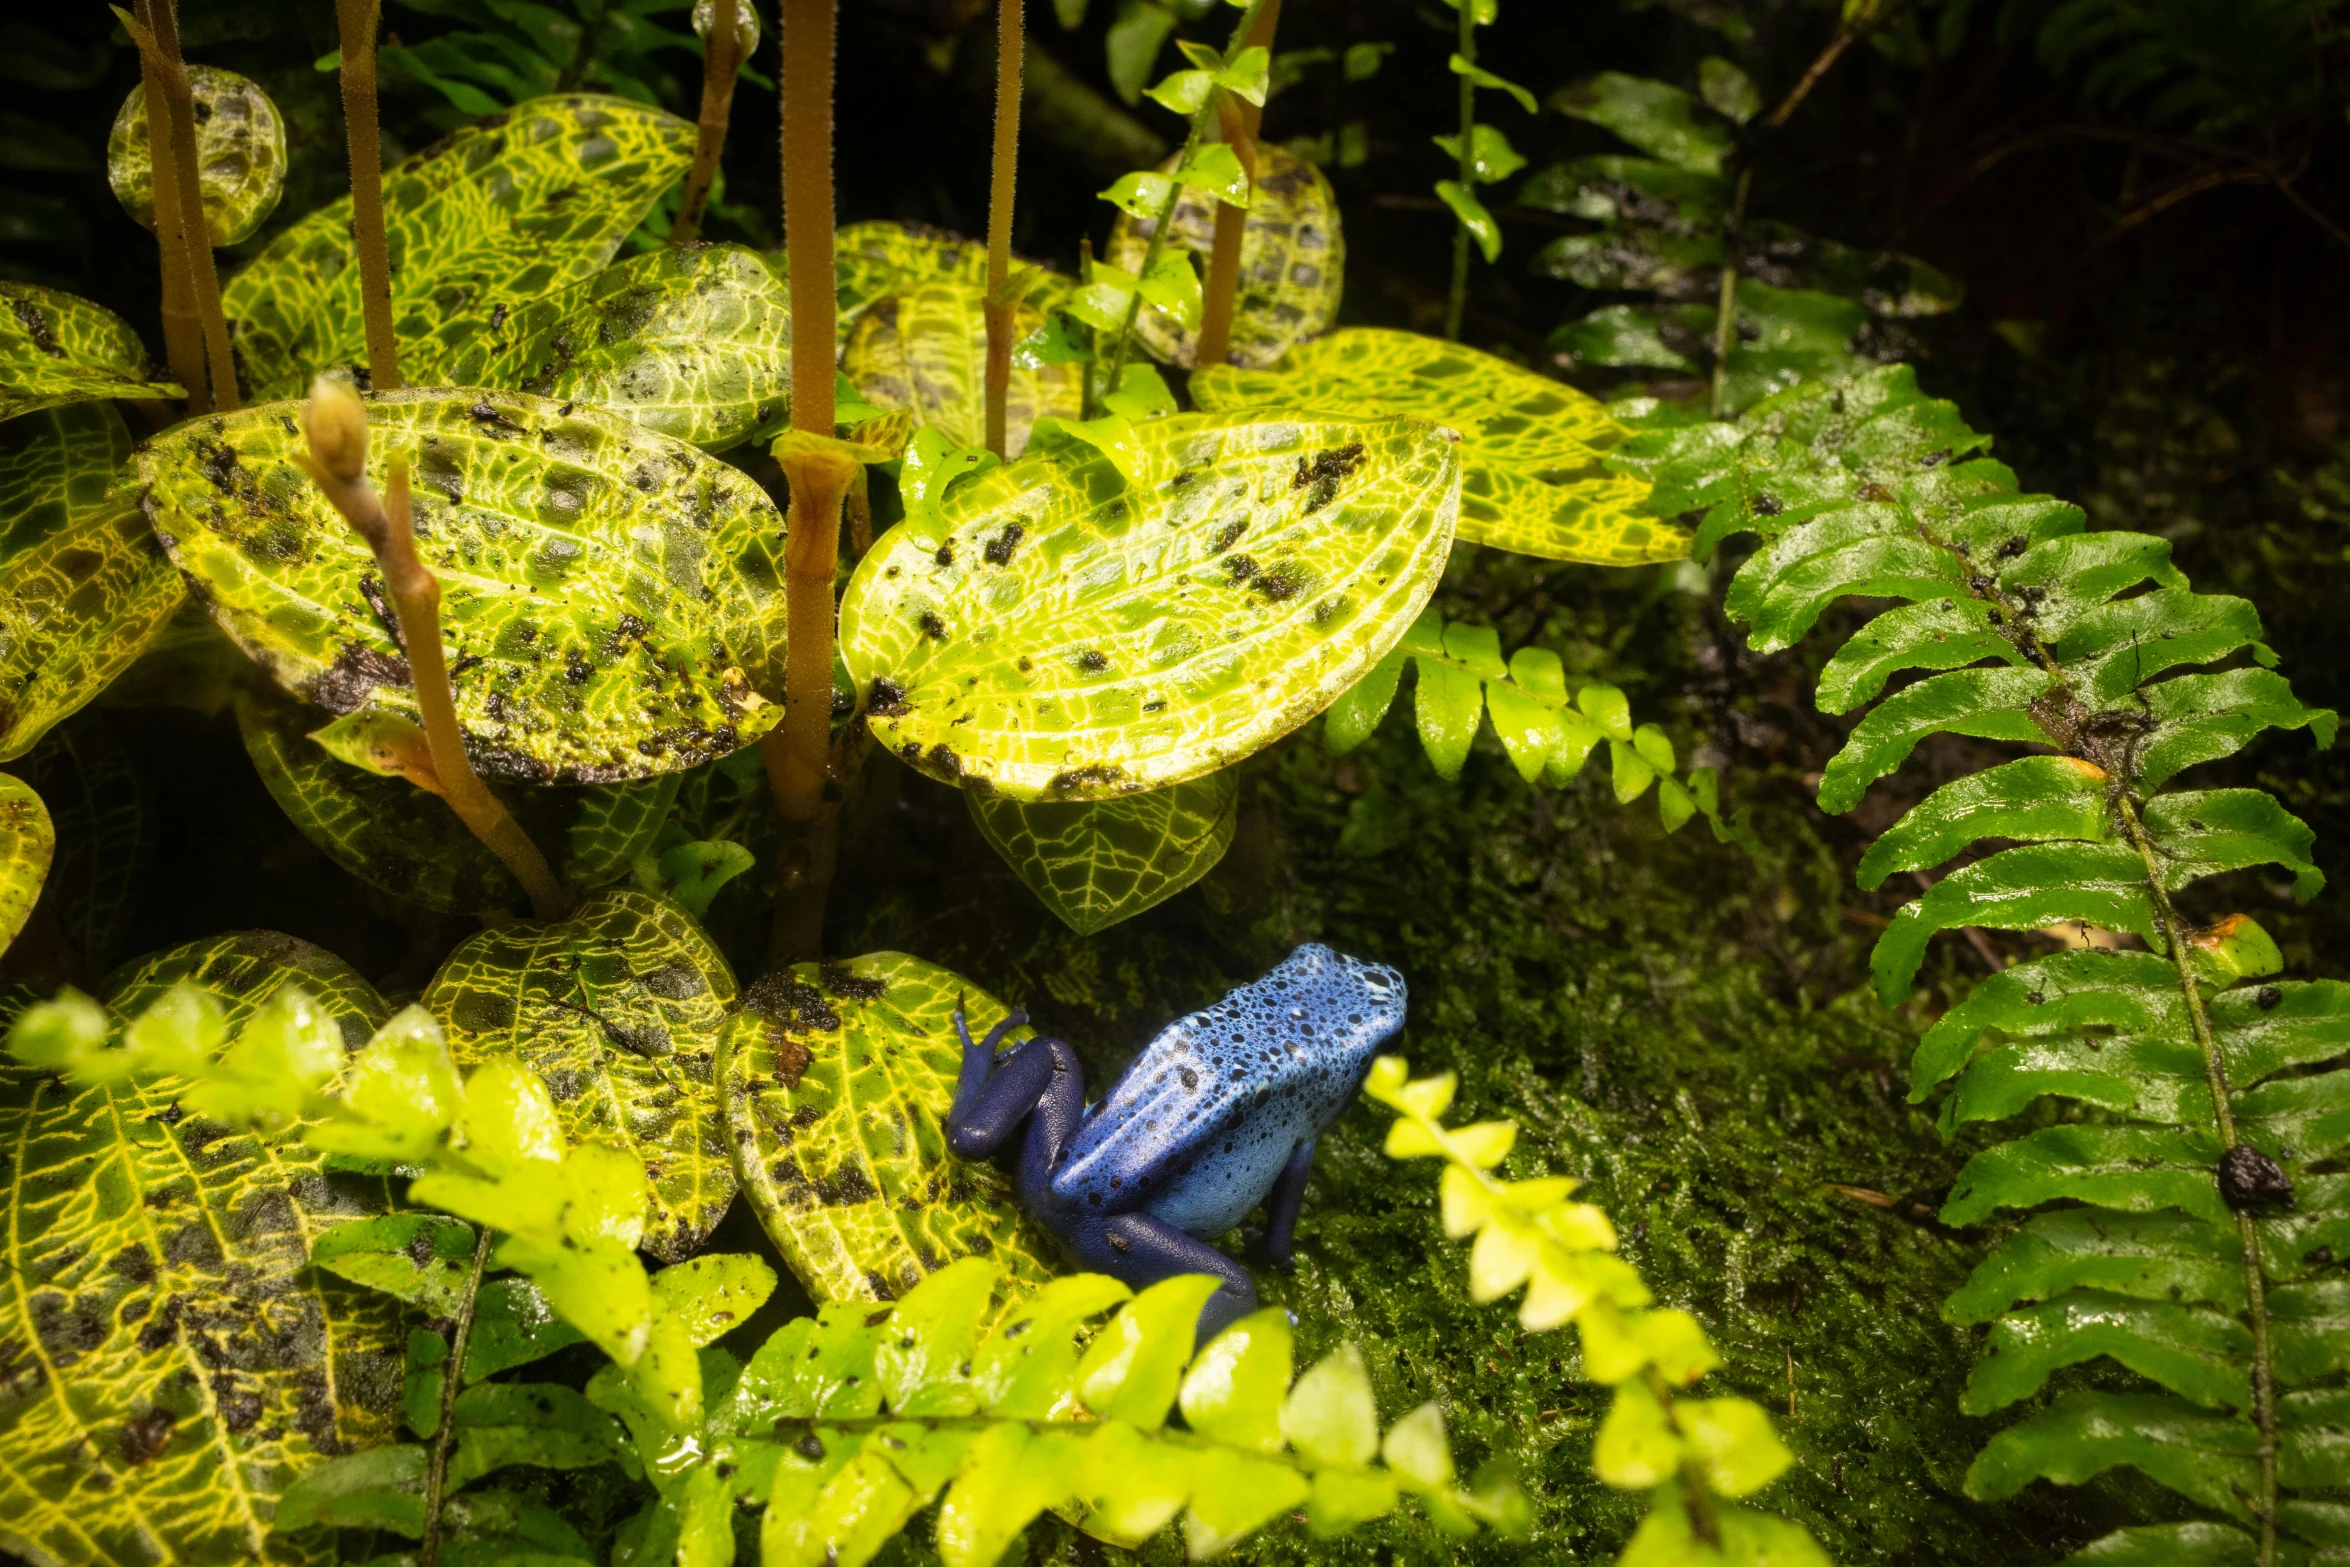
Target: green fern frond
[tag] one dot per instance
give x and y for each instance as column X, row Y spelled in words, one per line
column 2194, row 1164
column 1690, row 1454
column 2209, row 64
column 1549, row 729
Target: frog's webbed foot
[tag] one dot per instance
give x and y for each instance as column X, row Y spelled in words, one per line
column 1139, row 1251
column 1257, row 1246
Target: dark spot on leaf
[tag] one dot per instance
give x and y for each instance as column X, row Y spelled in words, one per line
column 932, row 627
column 887, row 699
column 674, row 982
column 1228, row 535
column 482, row 1011
column 791, row 1005
column 2267, row 998
column 1092, row 662
column 1321, row 477
column 1098, row 775
column 357, row 671
column 1767, row 506
column 839, row 980
column 998, row 551
column 145, row 1436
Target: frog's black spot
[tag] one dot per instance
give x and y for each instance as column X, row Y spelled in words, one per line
column 998, row 550
column 1190, row 1078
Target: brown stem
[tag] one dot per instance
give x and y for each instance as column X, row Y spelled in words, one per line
column 797, row 751
column 436, row 1478
column 159, row 54
column 1223, row 285
column 721, row 58
column 1846, row 36
column 1009, row 49
column 183, row 334
column 358, row 18
column 337, row 428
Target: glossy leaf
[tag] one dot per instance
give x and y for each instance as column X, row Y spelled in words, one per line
column 875, row 259
column 27, row 841
column 2205, row 1457
column 619, row 1009
column 1531, row 447
column 1095, row 863
column 814, row 1064
column 694, row 344
column 104, row 809
column 1658, row 119
column 390, row 833
column 2018, row 889
column 2199, row 1354
column 1292, row 262
column 577, row 661
column 522, row 202
column 183, row 1370
column 240, row 154
column 926, row 350
column 1278, row 560
column 57, row 348
column 2036, row 800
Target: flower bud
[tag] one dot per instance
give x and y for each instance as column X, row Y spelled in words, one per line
column 336, row 422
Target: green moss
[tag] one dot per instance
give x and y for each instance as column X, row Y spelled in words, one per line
column 1628, row 999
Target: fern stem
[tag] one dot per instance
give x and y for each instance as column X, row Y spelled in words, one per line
column 1726, row 306
column 1456, row 302
column 722, row 58
column 2264, row 1398
column 436, row 1475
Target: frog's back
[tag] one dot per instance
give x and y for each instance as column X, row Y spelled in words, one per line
column 1208, row 1114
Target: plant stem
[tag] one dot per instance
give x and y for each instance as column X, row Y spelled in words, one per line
column 357, row 19
column 1009, row 50
column 1726, row 305
column 436, row 1475
column 583, row 54
column 721, row 59
column 798, row 751
column 2264, row 1392
column 159, row 52
column 1223, row 286
column 1457, row 302
column 337, row 459
column 183, row 334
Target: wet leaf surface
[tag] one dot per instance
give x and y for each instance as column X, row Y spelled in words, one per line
column 1096, row 862
column 1057, row 631
column 56, row 348
column 926, row 350
column 619, row 1009
column 505, row 211
column 176, row 1362
column 609, row 597
column 837, row 1079
column 240, row 154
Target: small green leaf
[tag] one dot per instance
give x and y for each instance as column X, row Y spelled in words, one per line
column 713, row 1294
column 1184, row 92
column 1636, row 1447
column 1134, row 1366
column 1214, row 168
column 2036, row 800
column 2134, row 1169
column 382, row 1488
column 1747, row 1538
column 1292, row 260
column 2206, row 1458
column 923, row 1358
column 2018, row 889
column 540, row 1424
column 2197, row 1353
column 2144, row 1256
column 1235, row 1391
column 1990, row 704
column 1733, row 1440
column 1330, row 1416
column 1008, row 1477
column 1141, row 194
column 1233, row 1495
column 1448, row 703
column 1485, row 78
column 1357, row 712
column 1727, row 90
column 1473, row 216
column 27, row 843
column 1658, row 119
column 1491, row 157
column 1027, row 1368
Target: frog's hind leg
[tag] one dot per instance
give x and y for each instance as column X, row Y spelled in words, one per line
column 1139, row 1250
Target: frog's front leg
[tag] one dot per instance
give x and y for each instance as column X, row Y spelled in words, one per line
column 1039, row 1082
column 1138, row 1251
column 1281, row 1208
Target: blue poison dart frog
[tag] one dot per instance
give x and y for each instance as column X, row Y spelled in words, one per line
column 1217, row 1115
